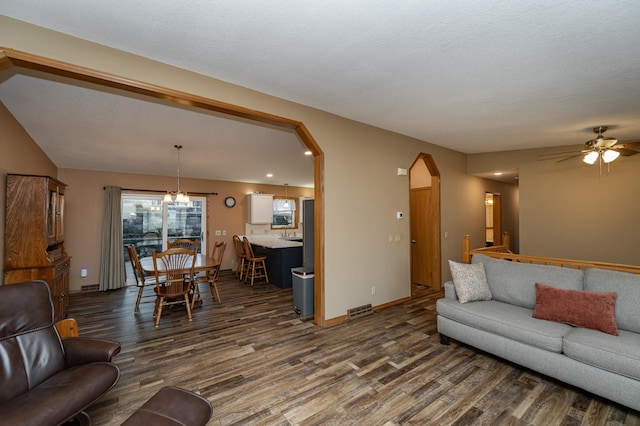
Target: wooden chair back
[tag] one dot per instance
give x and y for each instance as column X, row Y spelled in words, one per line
column 237, row 245
column 240, row 255
column 218, row 251
column 248, row 250
column 183, row 243
column 142, row 280
column 138, row 274
column 218, row 255
column 173, row 269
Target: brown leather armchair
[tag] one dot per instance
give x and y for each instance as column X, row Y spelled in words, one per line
column 45, row 380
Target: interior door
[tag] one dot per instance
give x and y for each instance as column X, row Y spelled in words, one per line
column 420, row 200
column 497, row 219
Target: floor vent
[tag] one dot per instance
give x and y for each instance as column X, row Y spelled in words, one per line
column 89, row 288
column 360, row 311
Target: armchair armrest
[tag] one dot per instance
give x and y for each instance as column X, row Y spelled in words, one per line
column 83, row 350
column 450, row 291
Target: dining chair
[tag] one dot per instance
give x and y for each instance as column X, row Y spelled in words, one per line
column 211, row 276
column 256, row 266
column 170, row 268
column 241, row 256
column 142, row 280
column 189, row 245
column 183, row 243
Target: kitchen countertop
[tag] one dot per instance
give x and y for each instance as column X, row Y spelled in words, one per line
column 272, row 241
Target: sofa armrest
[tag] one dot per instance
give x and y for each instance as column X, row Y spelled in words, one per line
column 83, row 350
column 450, row 291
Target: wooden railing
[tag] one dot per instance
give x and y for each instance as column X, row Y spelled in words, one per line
column 503, row 252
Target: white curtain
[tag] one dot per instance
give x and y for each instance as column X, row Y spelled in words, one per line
column 112, row 275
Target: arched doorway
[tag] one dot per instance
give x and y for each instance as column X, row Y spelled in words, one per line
column 424, row 202
column 20, row 60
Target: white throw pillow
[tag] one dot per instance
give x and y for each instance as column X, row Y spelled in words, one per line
column 470, row 281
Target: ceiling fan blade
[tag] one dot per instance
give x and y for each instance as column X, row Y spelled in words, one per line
column 569, row 158
column 627, row 152
column 628, row 144
column 557, row 155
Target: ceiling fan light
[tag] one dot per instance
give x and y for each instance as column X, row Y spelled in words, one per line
column 590, row 157
column 610, row 155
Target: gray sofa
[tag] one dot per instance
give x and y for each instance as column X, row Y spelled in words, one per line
column 600, row 363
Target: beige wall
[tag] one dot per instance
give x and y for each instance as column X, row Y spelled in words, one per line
column 361, row 186
column 568, row 210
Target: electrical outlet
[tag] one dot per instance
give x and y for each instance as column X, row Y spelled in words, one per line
column 218, row 233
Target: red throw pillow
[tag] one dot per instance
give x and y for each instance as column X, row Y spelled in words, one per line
column 588, row 309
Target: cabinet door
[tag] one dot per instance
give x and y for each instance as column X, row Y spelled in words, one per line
column 52, row 212
column 60, row 217
column 260, row 208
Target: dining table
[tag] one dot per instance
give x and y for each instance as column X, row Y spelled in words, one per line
column 203, row 263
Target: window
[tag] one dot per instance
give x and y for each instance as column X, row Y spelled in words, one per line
column 148, row 223
column 284, row 213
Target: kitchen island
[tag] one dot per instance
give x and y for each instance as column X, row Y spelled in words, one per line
column 281, row 255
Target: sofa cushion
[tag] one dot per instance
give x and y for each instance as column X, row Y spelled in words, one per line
column 589, row 309
column 627, row 286
column 510, row 321
column 514, row 282
column 617, row 354
column 469, row 281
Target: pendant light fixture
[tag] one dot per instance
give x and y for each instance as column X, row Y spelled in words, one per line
column 286, row 197
column 178, row 196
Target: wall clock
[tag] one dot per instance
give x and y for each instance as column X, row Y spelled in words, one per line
column 229, row 202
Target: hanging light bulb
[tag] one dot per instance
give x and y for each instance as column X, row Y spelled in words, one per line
column 591, row 157
column 610, row 155
column 180, row 197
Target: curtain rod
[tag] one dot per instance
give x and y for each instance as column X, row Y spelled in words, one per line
column 162, row 192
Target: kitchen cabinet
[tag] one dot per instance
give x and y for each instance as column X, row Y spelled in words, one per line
column 34, row 236
column 279, row 262
column 259, row 208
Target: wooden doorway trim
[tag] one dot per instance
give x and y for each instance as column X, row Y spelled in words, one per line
column 10, row 58
column 433, row 216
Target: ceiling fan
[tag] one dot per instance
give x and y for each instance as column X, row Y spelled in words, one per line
column 600, row 149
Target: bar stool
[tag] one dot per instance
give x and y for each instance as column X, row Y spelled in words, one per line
column 256, row 266
column 241, row 256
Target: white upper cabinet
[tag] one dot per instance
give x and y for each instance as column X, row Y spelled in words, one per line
column 259, row 208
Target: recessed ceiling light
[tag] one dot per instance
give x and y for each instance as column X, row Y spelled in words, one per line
column 497, row 173
column 308, row 153
column 269, row 175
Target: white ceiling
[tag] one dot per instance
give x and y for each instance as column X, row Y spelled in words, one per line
column 478, row 76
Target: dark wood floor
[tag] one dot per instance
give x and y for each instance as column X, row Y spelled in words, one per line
column 260, row 364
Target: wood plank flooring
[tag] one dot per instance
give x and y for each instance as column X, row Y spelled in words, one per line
column 260, row 364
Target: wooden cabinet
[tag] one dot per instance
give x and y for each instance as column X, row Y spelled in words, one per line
column 34, row 236
column 259, row 208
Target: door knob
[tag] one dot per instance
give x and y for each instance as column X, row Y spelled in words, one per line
column 413, row 241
